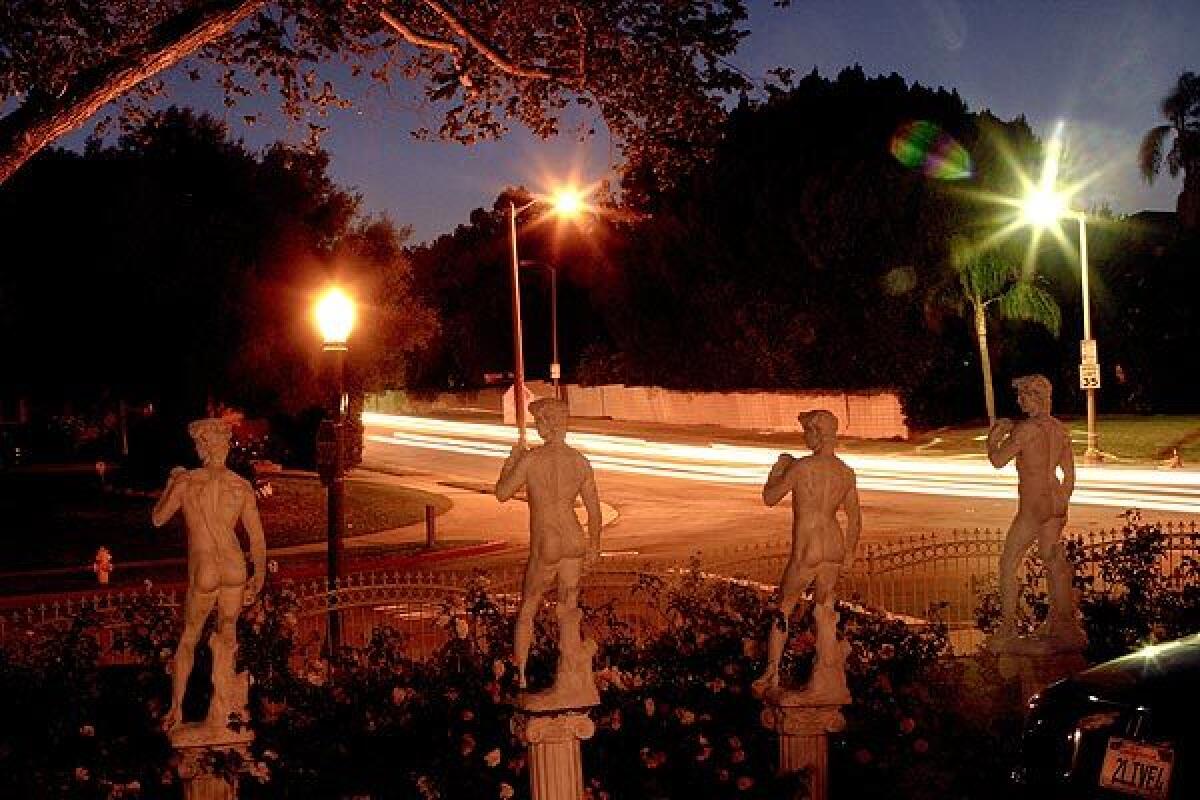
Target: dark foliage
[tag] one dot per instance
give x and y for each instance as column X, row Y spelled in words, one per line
column 177, row 270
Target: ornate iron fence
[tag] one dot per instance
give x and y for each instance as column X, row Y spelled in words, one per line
column 905, row 576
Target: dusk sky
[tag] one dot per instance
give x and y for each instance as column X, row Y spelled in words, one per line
column 1102, row 66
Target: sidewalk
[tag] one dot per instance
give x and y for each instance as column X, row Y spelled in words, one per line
column 475, row 513
column 475, row 525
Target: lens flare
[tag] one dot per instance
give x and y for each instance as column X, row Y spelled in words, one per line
column 923, row 145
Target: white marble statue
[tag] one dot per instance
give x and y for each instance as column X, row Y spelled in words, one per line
column 820, row 485
column 1041, row 446
column 213, row 499
column 554, row 475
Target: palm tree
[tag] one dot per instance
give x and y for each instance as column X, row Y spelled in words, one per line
column 1181, row 107
column 985, row 280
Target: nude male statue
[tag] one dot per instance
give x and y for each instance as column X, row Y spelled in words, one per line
column 553, row 475
column 1041, row 446
column 213, row 499
column 820, row 484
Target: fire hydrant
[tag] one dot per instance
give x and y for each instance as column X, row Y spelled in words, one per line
column 103, row 565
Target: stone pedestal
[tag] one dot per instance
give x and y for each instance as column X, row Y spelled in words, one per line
column 202, row 750
column 555, row 760
column 803, row 729
column 1034, row 662
column 1033, row 672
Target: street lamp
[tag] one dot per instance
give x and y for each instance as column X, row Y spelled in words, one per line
column 335, row 315
column 1043, row 207
column 555, row 366
column 566, row 202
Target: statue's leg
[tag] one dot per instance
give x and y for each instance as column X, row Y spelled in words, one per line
column 1020, row 536
column 228, row 697
column 197, row 606
column 796, row 579
column 828, row 680
column 569, row 572
column 824, row 614
column 1058, row 575
column 537, row 581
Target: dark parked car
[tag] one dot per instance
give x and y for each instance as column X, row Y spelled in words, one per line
column 1129, row 727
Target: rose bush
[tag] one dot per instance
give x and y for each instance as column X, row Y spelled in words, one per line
column 676, row 717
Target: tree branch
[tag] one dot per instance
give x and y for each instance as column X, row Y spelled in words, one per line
column 43, row 118
column 419, row 39
column 477, row 42
column 502, row 62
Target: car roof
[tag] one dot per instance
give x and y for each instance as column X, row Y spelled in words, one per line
column 1161, row 668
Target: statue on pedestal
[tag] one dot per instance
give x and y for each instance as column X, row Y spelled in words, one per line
column 213, row 499
column 820, row 485
column 1041, row 446
column 554, row 475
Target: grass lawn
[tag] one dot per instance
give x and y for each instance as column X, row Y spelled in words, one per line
column 60, row 519
column 1127, row 438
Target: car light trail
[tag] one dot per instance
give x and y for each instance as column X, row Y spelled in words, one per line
column 1118, row 487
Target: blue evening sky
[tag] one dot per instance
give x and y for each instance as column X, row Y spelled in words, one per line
column 1102, row 66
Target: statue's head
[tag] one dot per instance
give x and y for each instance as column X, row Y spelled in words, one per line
column 1033, row 393
column 212, row 439
column 820, row 428
column 550, row 416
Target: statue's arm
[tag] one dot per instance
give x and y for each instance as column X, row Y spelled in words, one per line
column 513, row 474
column 1003, row 443
column 591, row 501
column 777, row 486
column 853, row 511
column 170, row 500
column 1066, row 463
column 258, row 542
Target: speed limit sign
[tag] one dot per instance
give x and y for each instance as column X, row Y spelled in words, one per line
column 1089, row 376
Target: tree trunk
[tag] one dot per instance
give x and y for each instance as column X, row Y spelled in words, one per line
column 985, row 360
column 43, row 118
column 1187, row 206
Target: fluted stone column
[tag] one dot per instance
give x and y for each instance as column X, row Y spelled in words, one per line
column 555, row 759
column 803, row 732
column 200, row 749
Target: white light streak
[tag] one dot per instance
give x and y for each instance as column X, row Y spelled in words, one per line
column 1110, row 486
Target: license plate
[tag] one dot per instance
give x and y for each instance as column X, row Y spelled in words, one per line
column 1138, row 769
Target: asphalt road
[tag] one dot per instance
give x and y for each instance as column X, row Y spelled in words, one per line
column 664, row 512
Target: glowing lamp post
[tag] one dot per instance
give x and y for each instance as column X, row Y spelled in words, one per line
column 335, row 315
column 1043, row 207
column 565, row 203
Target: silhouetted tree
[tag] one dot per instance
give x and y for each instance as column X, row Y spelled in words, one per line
column 179, row 268
column 804, row 255
column 1181, row 107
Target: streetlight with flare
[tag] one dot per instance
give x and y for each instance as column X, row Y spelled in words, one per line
column 1044, row 205
column 335, row 316
column 565, row 202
